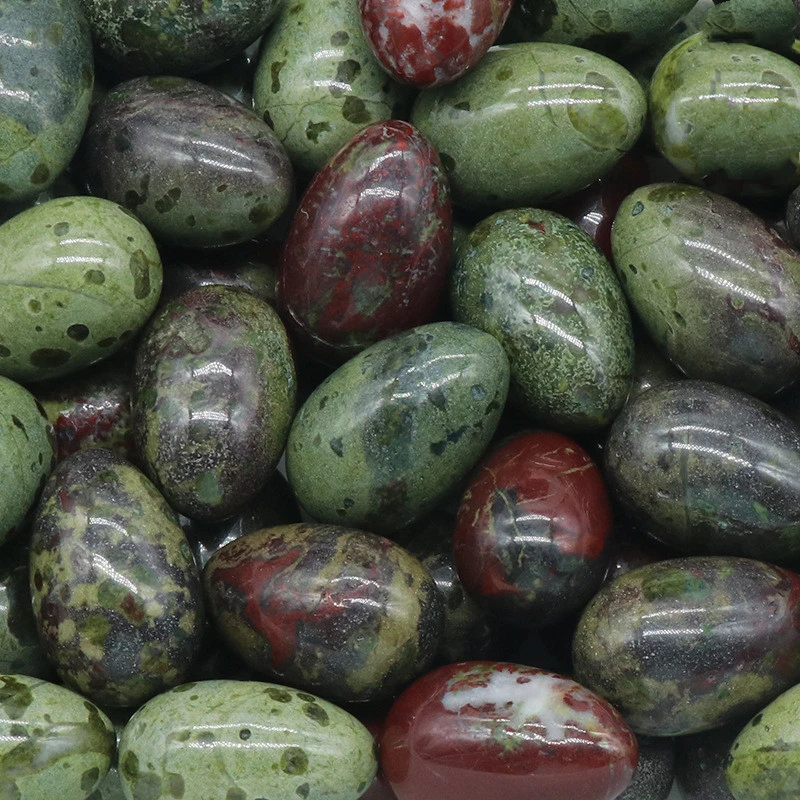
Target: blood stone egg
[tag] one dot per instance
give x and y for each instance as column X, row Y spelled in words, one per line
column 369, row 249
column 530, row 540
column 492, row 730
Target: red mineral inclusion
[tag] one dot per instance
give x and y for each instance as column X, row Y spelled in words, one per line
column 497, row 731
column 431, row 42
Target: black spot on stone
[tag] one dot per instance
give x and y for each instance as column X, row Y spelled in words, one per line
column 133, row 199
column 77, row 332
column 34, row 72
column 633, row 269
column 294, row 761
column 275, row 73
column 504, row 73
column 40, row 175
column 462, row 106
column 140, row 270
column 268, row 120
column 354, row 110
column 346, row 72
column 362, row 787
column 191, row 221
column 336, row 446
column 234, row 793
column 447, row 162
column 147, row 786
column 38, row 329
column 244, row 734
column 89, row 778
column 308, row 698
column 94, row 276
column 437, row 448
column 49, row 357
column 637, row 209
column 122, row 141
column 260, row 214
column 223, row 187
column 438, row 399
column 340, row 38
column 316, row 713
column 756, row 720
column 302, row 790
column 130, row 765
column 314, row 129
column 107, row 342
column 168, row 201
column 176, row 785
column 61, row 229
column 279, row 695
column 18, row 424
column 4, row 351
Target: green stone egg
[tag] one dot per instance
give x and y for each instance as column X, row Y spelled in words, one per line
column 765, row 23
column 764, row 759
column 727, row 115
column 47, row 77
column 53, row 742
column 27, row 455
column 531, row 122
column 382, row 440
column 116, row 591
column 244, row 740
column 317, row 82
column 540, row 285
column 79, row 276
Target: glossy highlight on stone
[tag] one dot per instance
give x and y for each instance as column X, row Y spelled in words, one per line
column 690, row 644
column 478, row 730
column 431, row 43
column 369, row 248
column 339, row 612
column 531, row 535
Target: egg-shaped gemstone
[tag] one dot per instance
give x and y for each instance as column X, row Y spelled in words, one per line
column 80, row 276
column 532, row 529
column 430, row 44
column 531, row 122
column 772, row 24
column 27, row 455
column 318, row 83
column 689, row 644
column 47, row 79
column 53, row 742
column 538, row 283
column 383, row 439
column 707, row 97
column 243, row 739
column 143, row 134
column 214, row 394
column 715, row 287
column 764, row 759
column 708, row 469
column 91, row 409
column 369, row 248
column 346, row 614
column 477, row 730
column 162, row 37
column 116, row 594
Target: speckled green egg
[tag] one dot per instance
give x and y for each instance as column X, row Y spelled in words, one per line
column 317, row 82
column 244, row 740
column 727, row 115
column 716, row 288
column 383, row 439
column 47, row 77
column 116, row 591
column 615, row 27
column 764, row 759
column 53, row 742
column 80, row 276
column 765, row 23
column 27, row 455
column 535, row 281
column 531, row 122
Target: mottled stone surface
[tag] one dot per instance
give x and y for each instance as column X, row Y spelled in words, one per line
column 80, row 276
column 318, row 83
column 213, row 399
column 116, row 594
column 690, row 644
column 53, row 742
column 765, row 23
column 715, row 287
column 144, row 134
column 162, row 37
column 342, row 613
column 708, row 469
column 530, row 123
column 48, row 74
column 707, row 97
column 538, row 283
column 382, row 440
column 369, row 248
column 476, row 730
column 243, row 740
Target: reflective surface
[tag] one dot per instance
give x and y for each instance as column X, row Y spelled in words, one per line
column 689, row 644
column 708, row 469
column 717, row 290
column 343, row 613
column 369, row 248
column 480, row 730
column 530, row 540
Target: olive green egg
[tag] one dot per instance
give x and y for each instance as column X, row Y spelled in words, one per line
column 531, row 122
column 765, row 23
column 53, row 742
column 317, row 82
column 244, row 740
column 382, row 440
column 47, row 77
column 764, row 759
column 80, row 276
column 27, row 455
column 727, row 116
column 535, row 281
